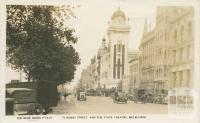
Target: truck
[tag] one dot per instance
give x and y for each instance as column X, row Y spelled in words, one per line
column 46, row 92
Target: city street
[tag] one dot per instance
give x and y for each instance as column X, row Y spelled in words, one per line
column 105, row 105
column 52, row 59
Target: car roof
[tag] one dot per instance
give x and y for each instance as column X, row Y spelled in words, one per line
column 9, row 99
column 12, row 90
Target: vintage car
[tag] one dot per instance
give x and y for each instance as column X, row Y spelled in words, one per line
column 161, row 99
column 24, row 101
column 120, row 97
column 81, row 96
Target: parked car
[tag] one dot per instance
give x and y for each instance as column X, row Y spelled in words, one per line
column 161, row 99
column 81, row 96
column 120, row 97
column 149, row 98
column 25, row 102
column 132, row 97
column 91, row 92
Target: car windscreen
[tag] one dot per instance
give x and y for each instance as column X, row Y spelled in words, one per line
column 24, row 96
column 82, row 93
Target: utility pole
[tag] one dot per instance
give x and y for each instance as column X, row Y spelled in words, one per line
column 20, row 75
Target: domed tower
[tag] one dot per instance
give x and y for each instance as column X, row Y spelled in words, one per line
column 118, row 36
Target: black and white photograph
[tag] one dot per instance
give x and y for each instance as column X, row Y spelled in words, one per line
column 101, row 58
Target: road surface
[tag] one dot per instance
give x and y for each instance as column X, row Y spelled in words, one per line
column 105, row 105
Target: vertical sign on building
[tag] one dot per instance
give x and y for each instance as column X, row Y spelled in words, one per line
column 123, row 53
column 114, row 62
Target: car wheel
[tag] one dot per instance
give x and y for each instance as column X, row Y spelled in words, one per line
column 36, row 109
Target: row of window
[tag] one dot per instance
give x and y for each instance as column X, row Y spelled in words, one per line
column 185, row 32
column 178, row 35
column 182, row 54
column 182, row 78
column 162, row 35
column 152, row 57
column 149, row 45
column 152, row 74
column 148, row 59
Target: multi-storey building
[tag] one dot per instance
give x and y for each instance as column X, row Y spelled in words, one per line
column 148, row 59
column 114, row 51
column 182, row 47
column 167, row 50
column 131, row 78
column 134, row 72
column 89, row 76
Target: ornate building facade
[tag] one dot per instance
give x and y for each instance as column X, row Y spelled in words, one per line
column 167, row 50
column 114, row 50
column 182, row 47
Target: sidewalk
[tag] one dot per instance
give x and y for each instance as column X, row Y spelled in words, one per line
column 64, row 106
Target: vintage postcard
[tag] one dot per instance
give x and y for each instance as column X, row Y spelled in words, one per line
column 100, row 61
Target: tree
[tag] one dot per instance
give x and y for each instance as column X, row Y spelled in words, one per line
column 39, row 43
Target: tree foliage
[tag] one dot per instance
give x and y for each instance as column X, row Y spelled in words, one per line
column 39, row 43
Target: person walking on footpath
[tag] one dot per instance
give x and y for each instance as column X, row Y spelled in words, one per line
column 65, row 96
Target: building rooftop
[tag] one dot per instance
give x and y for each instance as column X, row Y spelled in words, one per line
column 118, row 13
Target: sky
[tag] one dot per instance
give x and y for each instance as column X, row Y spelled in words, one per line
column 92, row 22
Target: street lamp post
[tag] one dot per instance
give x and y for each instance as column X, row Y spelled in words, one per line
column 20, row 75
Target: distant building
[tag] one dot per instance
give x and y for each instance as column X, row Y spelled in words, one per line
column 153, row 57
column 131, row 78
column 134, row 73
column 89, row 76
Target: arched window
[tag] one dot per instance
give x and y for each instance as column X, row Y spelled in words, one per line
column 188, row 78
column 181, row 54
column 189, row 29
column 182, row 33
column 174, row 79
column 181, row 78
column 166, row 35
column 174, row 56
column 175, row 36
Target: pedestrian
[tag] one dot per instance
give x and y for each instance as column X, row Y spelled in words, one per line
column 116, row 95
column 65, row 96
column 144, row 98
